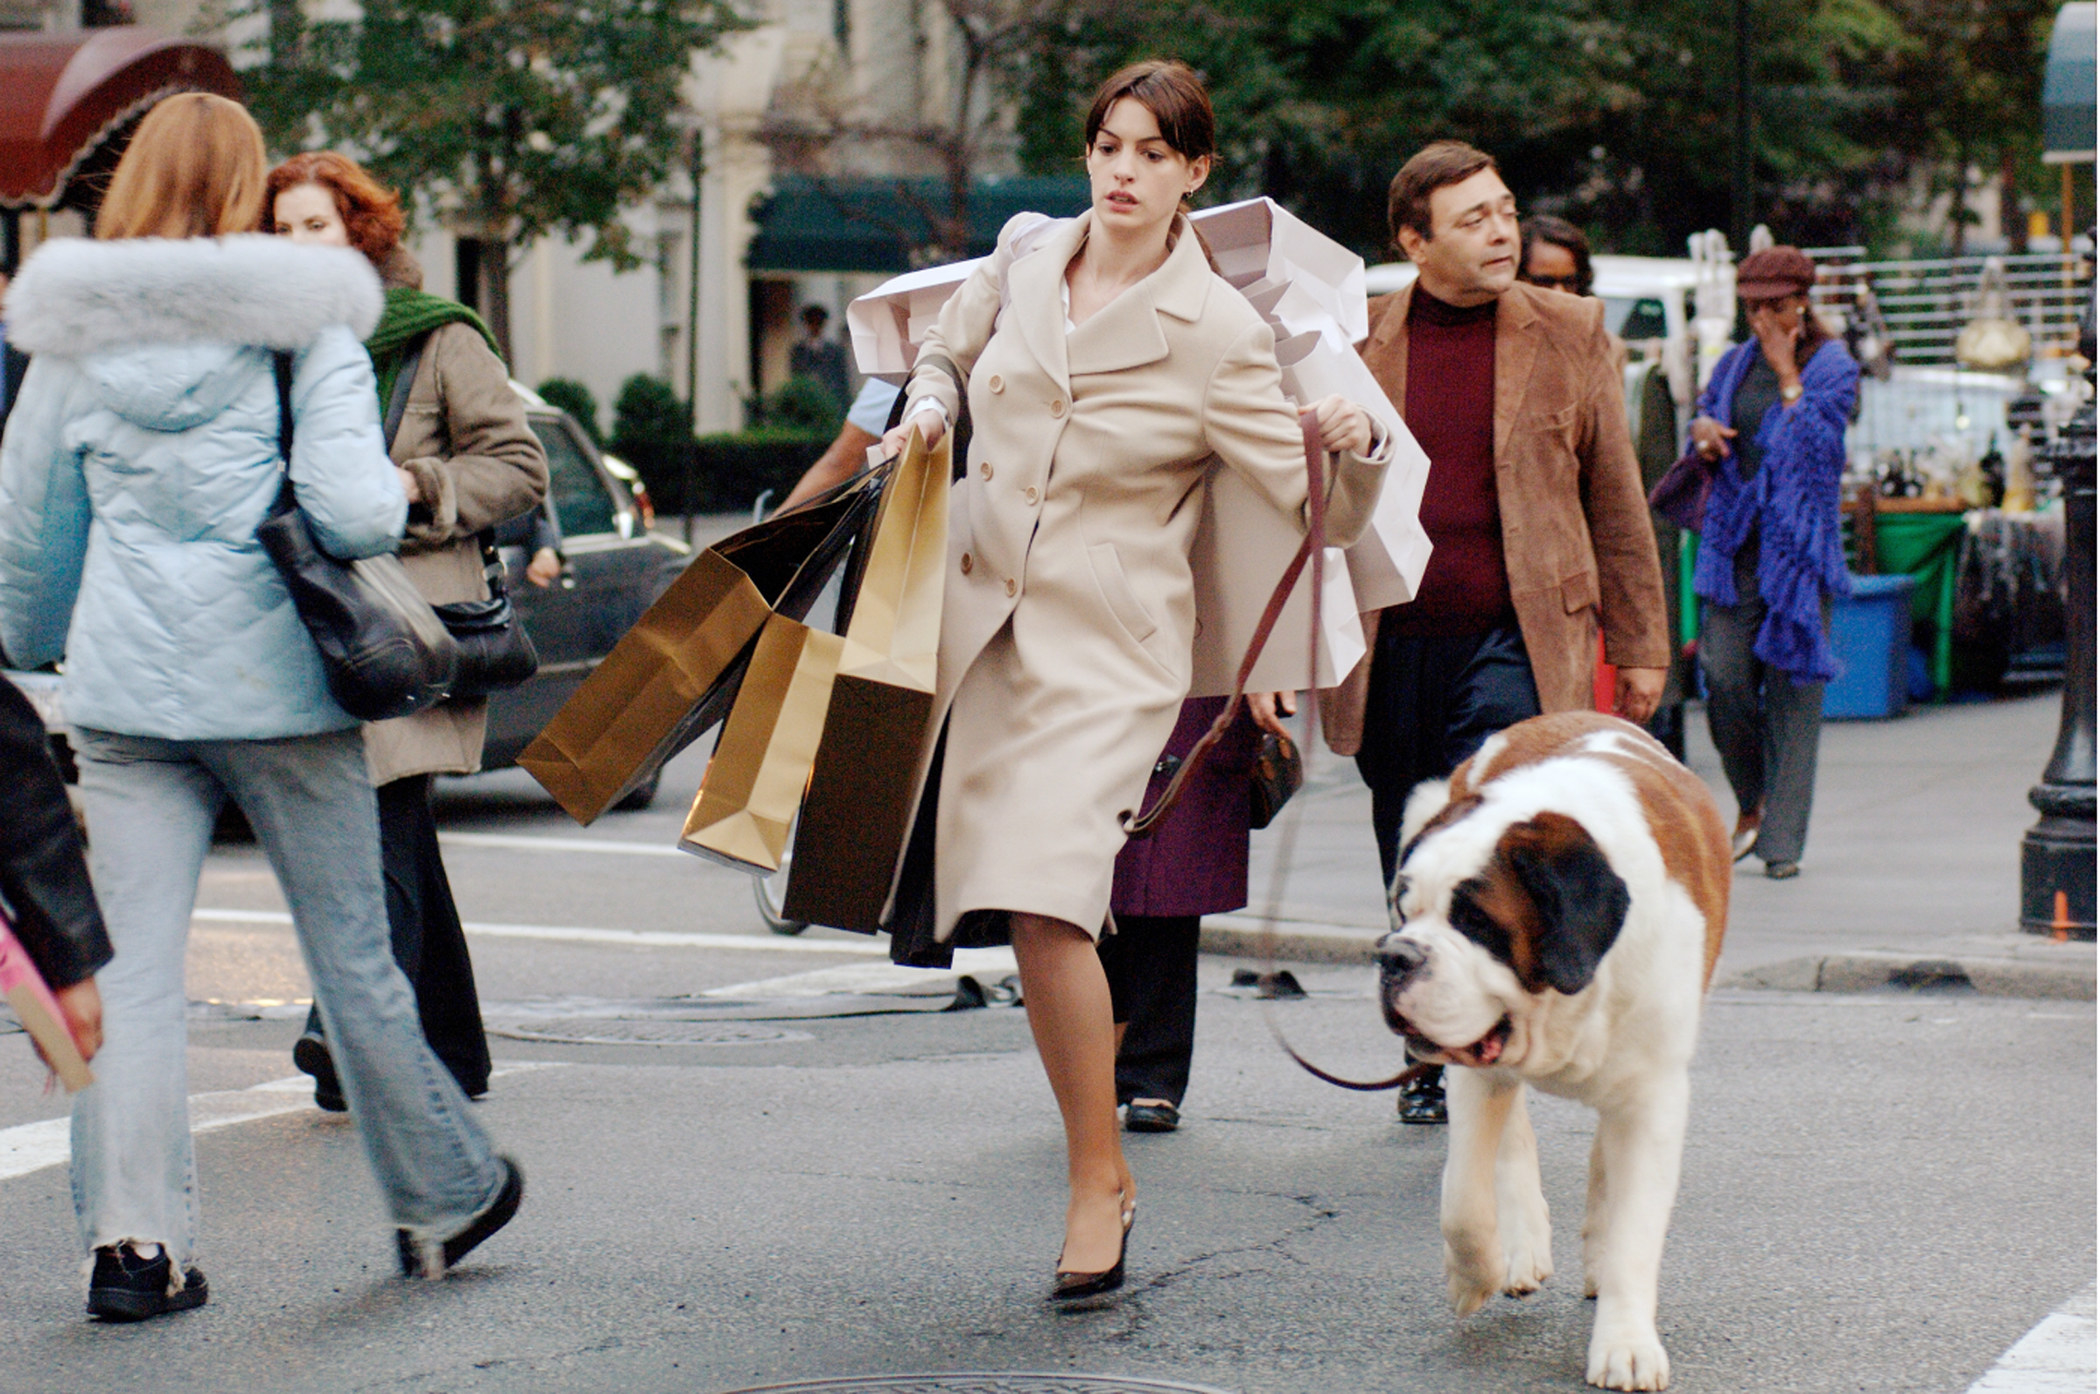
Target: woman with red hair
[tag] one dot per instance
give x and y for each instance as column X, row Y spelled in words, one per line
column 468, row 461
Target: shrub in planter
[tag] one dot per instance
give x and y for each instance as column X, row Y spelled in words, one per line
column 652, row 432
column 577, row 400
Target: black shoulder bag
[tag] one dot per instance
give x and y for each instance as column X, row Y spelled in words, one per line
column 382, row 647
column 495, row 652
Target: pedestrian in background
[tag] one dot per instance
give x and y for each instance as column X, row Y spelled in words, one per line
column 1534, row 507
column 468, row 460
column 141, row 457
column 821, row 359
column 1772, row 418
column 1109, row 369
column 1193, row 864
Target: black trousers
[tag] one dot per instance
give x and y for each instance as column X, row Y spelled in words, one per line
column 1433, row 702
column 1151, row 967
column 429, row 942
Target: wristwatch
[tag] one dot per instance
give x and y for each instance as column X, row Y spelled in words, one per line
column 1790, row 393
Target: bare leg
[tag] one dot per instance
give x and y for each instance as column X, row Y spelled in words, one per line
column 1068, row 1011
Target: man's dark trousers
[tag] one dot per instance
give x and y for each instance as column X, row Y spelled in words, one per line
column 1432, row 702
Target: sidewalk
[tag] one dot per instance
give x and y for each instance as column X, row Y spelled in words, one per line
column 1911, row 877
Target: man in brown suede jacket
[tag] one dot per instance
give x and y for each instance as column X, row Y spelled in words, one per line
column 1534, row 503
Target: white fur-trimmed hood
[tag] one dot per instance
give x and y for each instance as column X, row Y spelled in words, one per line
column 77, row 296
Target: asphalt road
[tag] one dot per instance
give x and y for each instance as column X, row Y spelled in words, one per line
column 1882, row 1192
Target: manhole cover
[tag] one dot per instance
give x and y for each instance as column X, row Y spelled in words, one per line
column 982, row 1384
column 613, row 1031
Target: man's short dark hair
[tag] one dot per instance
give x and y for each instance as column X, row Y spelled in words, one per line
column 1437, row 165
column 815, row 313
column 1558, row 232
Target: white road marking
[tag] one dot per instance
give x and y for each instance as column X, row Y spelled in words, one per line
column 516, row 842
column 986, row 965
column 31, row 1147
column 2057, row 1357
column 580, row 934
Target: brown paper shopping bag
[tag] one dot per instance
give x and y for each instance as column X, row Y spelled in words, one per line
column 754, row 784
column 857, row 814
column 674, row 674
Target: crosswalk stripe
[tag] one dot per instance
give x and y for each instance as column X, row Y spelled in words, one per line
column 583, row 934
column 2057, row 1357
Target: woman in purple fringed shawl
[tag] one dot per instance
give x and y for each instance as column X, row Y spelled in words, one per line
column 1770, row 558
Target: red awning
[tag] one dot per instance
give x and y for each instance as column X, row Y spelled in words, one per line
column 62, row 95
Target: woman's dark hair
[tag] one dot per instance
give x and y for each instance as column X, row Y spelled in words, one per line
column 1174, row 95
column 1558, row 232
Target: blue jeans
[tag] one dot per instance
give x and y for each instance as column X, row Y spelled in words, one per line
column 151, row 805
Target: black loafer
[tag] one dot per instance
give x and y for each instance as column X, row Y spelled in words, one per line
column 126, row 1287
column 434, row 1260
column 1151, row 1116
column 1423, row 1101
column 310, row 1057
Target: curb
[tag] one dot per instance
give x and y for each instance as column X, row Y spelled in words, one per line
column 1990, row 976
column 2062, row 976
column 1292, row 941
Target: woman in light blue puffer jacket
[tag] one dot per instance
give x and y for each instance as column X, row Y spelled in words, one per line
column 140, row 457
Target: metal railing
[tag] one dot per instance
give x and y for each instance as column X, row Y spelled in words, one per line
column 1926, row 303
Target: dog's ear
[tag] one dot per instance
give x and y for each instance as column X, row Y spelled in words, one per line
column 1579, row 902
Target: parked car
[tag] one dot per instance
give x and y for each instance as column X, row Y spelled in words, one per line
column 614, row 569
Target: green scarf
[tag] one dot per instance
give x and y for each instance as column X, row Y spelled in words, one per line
column 409, row 315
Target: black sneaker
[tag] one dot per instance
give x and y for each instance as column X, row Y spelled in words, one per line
column 1423, row 1101
column 127, row 1287
column 433, row 1260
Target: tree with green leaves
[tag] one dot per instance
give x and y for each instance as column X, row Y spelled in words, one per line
column 514, row 118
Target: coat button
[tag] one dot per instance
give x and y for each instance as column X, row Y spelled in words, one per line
column 1057, row 406
column 1011, row 588
column 984, row 467
column 997, row 384
column 1029, row 493
column 966, row 563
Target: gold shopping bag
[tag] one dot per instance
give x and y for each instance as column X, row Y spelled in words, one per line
column 858, row 811
column 674, row 673
column 754, row 784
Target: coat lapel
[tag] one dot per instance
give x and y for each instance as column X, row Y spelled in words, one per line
column 1035, row 297
column 1125, row 333
column 1516, row 350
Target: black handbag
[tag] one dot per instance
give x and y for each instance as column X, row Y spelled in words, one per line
column 1278, row 773
column 495, row 652
column 383, row 649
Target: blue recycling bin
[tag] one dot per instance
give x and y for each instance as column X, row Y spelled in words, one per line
column 1870, row 636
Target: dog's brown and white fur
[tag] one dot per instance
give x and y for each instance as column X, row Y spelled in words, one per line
column 1557, row 915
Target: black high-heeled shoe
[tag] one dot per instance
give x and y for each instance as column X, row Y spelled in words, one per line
column 1070, row 1287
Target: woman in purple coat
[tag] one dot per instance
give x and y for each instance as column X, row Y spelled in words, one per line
column 1194, row 865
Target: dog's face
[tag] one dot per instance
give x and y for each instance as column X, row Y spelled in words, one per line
column 1489, row 926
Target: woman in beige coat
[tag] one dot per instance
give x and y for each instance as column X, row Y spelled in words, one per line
column 468, row 461
column 1110, row 369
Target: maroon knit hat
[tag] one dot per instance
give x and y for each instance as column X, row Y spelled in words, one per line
column 1773, row 272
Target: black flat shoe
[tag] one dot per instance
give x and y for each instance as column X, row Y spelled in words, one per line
column 1422, row 1102
column 310, row 1057
column 126, row 1287
column 1151, row 1116
column 434, row 1260
column 1070, row 1287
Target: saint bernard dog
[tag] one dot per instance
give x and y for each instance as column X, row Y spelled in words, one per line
column 1557, row 914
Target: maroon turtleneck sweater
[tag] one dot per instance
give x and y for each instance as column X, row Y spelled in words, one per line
column 1450, row 408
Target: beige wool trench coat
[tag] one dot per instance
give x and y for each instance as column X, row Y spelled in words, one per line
column 465, row 438
column 1069, row 610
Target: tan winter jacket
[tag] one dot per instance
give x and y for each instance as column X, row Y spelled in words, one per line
column 476, row 462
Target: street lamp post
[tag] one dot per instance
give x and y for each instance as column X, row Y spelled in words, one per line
column 1741, row 216
column 2056, row 855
